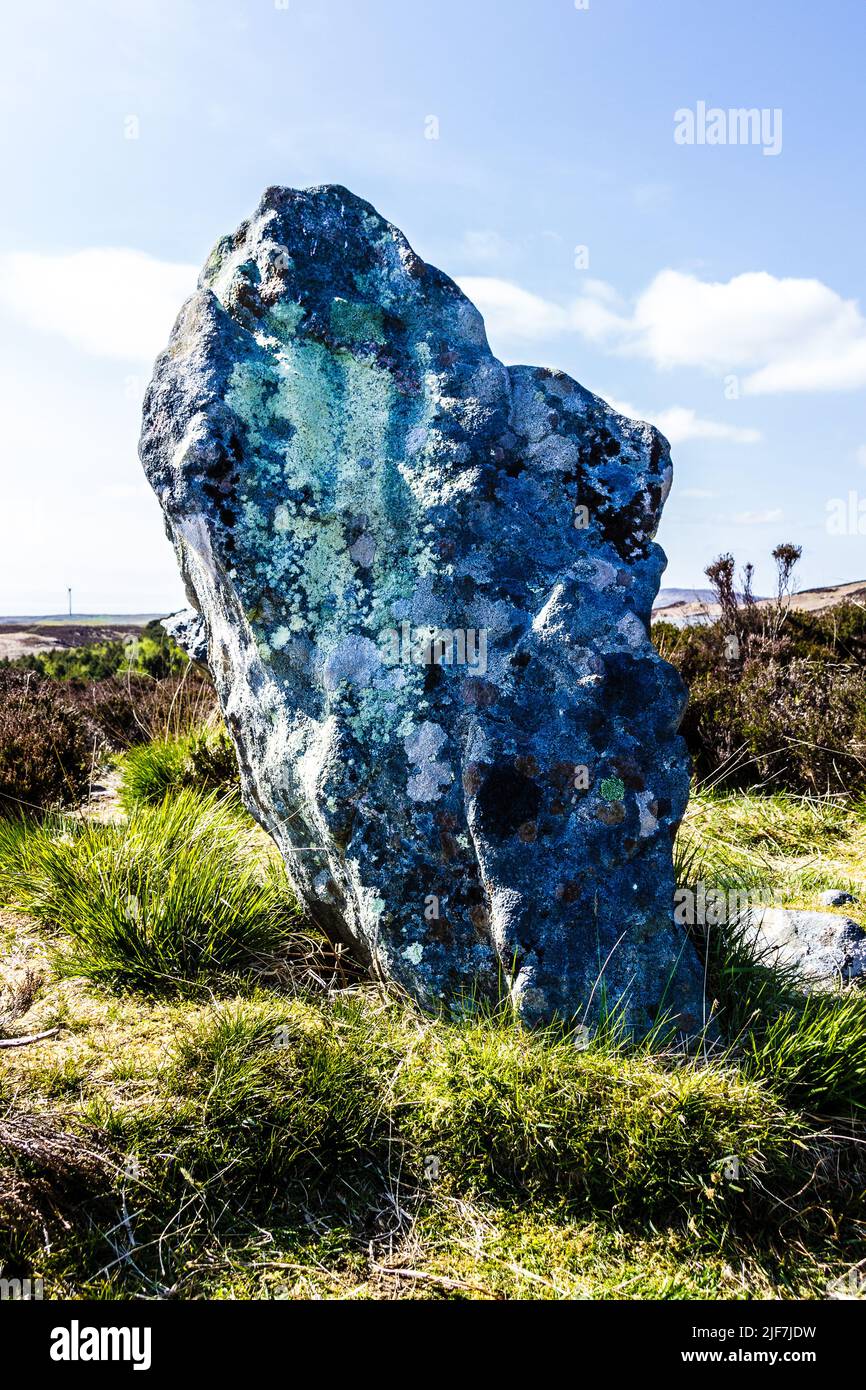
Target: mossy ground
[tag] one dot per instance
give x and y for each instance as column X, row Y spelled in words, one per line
column 287, row 1131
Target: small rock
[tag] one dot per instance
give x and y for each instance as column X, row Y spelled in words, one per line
column 188, row 630
column 837, row 897
column 826, row 950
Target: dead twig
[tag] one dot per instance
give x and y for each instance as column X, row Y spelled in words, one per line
column 30, row 1038
column 442, row 1280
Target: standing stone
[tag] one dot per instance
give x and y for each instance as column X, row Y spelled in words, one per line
column 426, row 580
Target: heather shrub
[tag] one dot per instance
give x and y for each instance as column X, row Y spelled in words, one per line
column 800, row 726
column 127, row 710
column 151, row 653
column 777, row 696
column 46, row 748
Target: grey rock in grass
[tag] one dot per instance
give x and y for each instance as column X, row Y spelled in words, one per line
column 837, row 897
column 824, row 949
column 426, row 581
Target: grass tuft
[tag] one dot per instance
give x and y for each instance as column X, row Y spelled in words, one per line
column 174, row 893
column 267, row 1098
column 273, row 1098
column 203, row 759
column 531, row 1114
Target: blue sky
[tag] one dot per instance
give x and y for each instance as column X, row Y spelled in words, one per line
column 720, row 292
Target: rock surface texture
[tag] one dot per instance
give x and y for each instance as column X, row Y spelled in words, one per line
column 188, row 630
column 825, row 950
column 425, row 581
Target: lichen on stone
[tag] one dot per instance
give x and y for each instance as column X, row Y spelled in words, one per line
column 357, row 490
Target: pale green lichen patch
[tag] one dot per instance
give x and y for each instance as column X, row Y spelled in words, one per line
column 285, row 318
column 331, row 513
column 355, row 322
column 613, row 789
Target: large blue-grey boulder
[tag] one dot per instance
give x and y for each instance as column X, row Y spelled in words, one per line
column 425, row 580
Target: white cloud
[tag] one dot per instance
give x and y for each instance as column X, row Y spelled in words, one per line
column 110, row 302
column 486, row 248
column 783, row 334
column 511, row 312
column 861, row 456
column 516, row 315
column 125, row 492
column 757, row 518
column 789, row 334
column 678, row 424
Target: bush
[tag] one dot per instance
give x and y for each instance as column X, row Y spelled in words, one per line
column 176, row 892
column 799, row 725
column 46, row 750
column 92, row 662
column 204, row 758
column 777, row 697
column 156, row 654
column 153, row 653
column 128, row 710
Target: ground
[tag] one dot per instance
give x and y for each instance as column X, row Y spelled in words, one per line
column 385, row 1155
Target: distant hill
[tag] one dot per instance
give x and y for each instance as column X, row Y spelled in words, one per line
column 79, row 619
column 21, row 636
column 668, row 597
column 686, row 606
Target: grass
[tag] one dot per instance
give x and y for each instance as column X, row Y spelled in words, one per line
column 218, row 1128
column 814, row 1053
column 276, row 1097
column 350, row 1147
column 14, row 837
column 202, row 759
column 261, row 1099
column 782, row 849
column 790, row 847
column 615, row 1131
column 171, row 894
